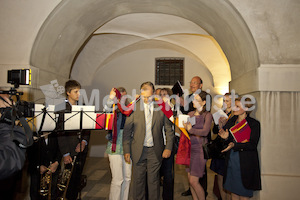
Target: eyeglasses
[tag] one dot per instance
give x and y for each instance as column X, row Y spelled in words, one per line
column 195, row 83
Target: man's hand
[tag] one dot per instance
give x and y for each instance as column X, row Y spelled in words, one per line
column 166, row 153
column 3, row 104
column 7, row 102
column 68, row 159
column 82, row 147
column 43, row 169
column 53, row 167
column 127, row 157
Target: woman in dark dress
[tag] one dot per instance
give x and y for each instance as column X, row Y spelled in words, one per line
column 198, row 135
column 242, row 176
column 218, row 164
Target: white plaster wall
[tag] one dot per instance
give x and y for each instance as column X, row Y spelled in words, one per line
column 134, row 68
column 129, row 71
column 20, row 22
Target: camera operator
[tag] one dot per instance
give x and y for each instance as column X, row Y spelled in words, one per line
column 12, row 156
column 10, row 152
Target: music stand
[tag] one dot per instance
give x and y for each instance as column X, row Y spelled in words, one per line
column 45, row 118
column 62, row 118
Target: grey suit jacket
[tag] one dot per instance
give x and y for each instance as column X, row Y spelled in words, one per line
column 135, row 130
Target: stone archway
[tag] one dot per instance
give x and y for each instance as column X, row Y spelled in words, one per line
column 72, row 22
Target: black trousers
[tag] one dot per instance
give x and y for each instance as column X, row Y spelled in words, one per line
column 8, row 187
column 167, row 172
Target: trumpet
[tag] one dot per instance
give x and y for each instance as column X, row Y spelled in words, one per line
column 64, row 180
column 45, row 184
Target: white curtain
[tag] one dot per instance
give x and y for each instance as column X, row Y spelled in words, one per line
column 280, row 133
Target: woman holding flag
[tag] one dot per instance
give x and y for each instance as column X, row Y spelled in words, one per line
column 242, row 176
column 121, row 170
column 198, row 136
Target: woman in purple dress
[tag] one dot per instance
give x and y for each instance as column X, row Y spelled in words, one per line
column 198, row 135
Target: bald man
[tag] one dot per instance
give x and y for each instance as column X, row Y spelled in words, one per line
column 196, row 84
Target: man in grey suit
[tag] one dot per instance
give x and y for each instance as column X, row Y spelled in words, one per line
column 143, row 142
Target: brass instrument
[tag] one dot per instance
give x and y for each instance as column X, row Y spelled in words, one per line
column 45, row 184
column 64, row 180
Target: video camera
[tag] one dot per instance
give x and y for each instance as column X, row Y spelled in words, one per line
column 19, row 77
column 15, row 139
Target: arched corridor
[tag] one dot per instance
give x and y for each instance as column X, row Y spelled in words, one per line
column 249, row 46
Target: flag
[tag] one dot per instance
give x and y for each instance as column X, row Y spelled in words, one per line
column 104, row 121
column 129, row 108
column 114, row 130
column 166, row 109
column 184, row 149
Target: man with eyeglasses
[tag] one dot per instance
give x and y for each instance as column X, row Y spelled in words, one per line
column 186, row 106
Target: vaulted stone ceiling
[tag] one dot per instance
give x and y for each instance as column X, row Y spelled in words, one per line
column 200, row 28
column 149, row 30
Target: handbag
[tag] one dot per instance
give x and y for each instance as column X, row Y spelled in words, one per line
column 213, row 149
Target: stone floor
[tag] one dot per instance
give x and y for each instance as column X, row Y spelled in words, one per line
column 99, row 177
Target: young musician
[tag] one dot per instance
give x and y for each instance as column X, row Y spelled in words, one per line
column 70, row 145
column 44, row 157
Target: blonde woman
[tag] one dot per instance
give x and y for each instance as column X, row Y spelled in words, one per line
column 242, row 174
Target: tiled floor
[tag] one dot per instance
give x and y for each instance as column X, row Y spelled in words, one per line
column 99, row 177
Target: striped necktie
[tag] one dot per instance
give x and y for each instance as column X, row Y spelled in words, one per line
column 148, row 137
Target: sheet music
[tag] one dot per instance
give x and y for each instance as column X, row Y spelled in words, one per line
column 72, row 120
column 49, row 123
column 217, row 115
column 184, row 119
